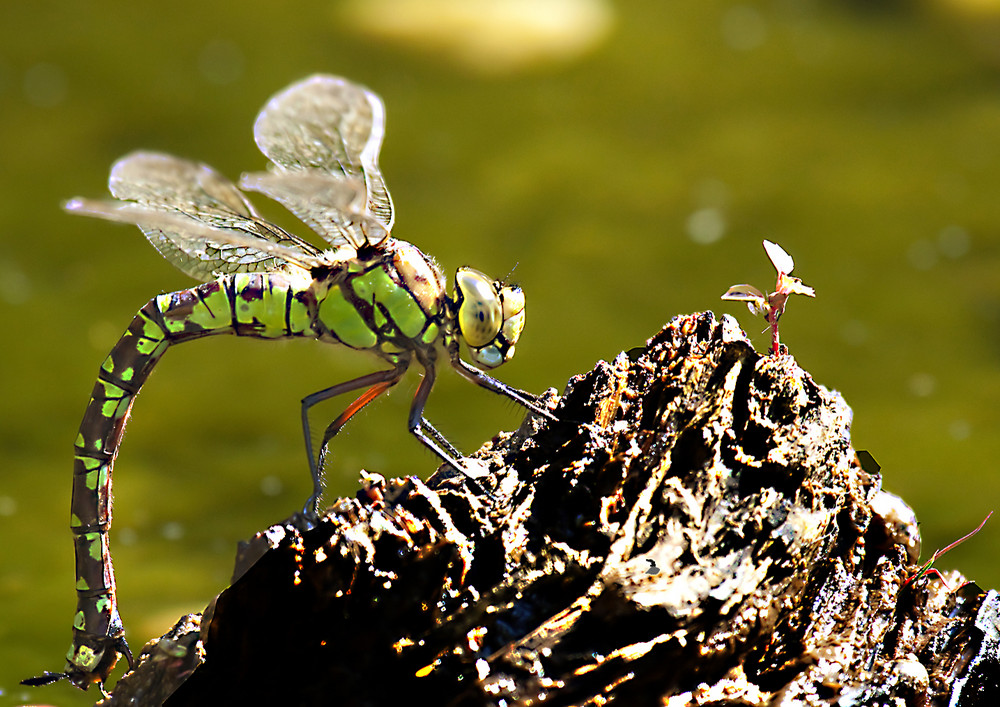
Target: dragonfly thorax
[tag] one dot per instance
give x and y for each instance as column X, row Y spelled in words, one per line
column 420, row 275
column 490, row 316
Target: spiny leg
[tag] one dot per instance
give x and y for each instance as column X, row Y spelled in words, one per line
column 422, row 429
column 449, row 453
column 435, row 441
column 334, row 427
column 524, row 398
column 426, row 425
column 377, row 383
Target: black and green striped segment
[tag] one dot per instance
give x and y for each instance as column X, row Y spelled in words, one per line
column 364, row 306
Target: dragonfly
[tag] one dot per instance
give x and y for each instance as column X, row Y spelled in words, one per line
column 366, row 291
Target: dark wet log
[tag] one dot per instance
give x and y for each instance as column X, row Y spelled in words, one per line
column 697, row 530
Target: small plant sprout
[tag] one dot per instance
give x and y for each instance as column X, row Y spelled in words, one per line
column 772, row 305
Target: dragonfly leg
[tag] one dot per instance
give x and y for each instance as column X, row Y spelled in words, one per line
column 435, row 441
column 470, row 372
column 334, row 427
column 432, row 431
column 377, row 383
column 422, row 429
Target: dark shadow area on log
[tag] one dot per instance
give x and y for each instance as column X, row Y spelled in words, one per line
column 697, row 530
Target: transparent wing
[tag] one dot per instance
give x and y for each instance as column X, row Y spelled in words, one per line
column 194, row 245
column 196, row 218
column 781, row 260
column 310, row 192
column 332, row 129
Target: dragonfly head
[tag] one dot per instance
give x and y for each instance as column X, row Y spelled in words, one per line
column 490, row 316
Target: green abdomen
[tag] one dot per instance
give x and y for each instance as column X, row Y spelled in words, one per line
column 368, row 307
column 265, row 306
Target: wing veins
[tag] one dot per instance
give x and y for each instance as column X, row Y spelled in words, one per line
column 196, row 218
column 328, row 125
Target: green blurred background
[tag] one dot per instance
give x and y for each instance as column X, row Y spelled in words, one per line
column 628, row 157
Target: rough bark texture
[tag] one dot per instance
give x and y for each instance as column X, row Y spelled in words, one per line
column 697, row 530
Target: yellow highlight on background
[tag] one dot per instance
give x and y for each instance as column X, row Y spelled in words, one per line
column 491, row 36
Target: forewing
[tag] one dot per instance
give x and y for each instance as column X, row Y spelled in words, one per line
column 196, row 218
column 326, row 125
column 193, row 245
column 781, row 260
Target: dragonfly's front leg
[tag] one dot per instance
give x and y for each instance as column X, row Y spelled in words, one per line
column 377, row 383
column 483, row 380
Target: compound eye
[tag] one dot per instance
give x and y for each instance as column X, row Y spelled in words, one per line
column 513, row 314
column 480, row 314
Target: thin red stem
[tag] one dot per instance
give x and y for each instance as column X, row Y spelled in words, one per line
column 926, row 567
